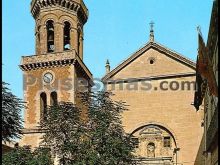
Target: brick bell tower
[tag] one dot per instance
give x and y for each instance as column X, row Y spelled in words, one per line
column 53, row 74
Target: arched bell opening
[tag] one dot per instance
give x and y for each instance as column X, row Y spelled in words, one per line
column 66, row 38
column 50, row 36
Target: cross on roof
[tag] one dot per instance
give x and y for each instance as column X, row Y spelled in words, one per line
column 152, row 26
column 151, row 31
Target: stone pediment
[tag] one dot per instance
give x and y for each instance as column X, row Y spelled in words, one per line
column 153, row 59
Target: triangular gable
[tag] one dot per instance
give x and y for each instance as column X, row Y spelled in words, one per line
column 169, row 53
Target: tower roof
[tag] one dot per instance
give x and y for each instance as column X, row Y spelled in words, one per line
column 76, row 6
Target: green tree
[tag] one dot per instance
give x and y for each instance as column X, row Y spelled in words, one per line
column 63, row 131
column 98, row 140
column 24, row 156
column 11, row 114
column 107, row 136
column 42, row 156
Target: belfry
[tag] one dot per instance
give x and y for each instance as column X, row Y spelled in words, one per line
column 52, row 74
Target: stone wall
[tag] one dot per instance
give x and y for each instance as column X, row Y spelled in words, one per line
column 171, row 109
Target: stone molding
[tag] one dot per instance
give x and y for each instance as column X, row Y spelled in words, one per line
column 32, row 130
column 76, row 6
column 170, row 53
column 157, row 160
column 150, row 78
column 53, row 60
column 47, row 60
column 163, row 125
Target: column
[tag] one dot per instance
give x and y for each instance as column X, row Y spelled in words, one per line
column 74, row 39
column 58, row 37
column 43, row 39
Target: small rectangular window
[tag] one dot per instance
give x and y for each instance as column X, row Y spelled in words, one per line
column 167, row 142
column 135, row 142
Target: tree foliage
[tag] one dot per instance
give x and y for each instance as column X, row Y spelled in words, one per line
column 99, row 140
column 24, row 156
column 11, row 114
column 63, row 131
column 108, row 138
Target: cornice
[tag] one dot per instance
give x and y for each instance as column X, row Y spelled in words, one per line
column 32, row 130
column 76, row 6
column 159, row 77
column 84, row 67
column 168, row 52
column 56, row 59
column 47, row 64
column 48, row 60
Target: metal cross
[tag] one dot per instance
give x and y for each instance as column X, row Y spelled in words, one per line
column 151, row 26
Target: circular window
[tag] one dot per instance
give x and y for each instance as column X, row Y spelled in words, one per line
column 151, row 60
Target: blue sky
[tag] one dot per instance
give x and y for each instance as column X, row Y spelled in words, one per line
column 115, row 29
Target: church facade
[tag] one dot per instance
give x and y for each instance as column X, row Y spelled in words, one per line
column 158, row 86
column 160, row 117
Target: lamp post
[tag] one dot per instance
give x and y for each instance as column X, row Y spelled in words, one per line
column 175, row 151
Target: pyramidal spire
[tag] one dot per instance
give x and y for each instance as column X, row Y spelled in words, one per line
column 107, row 66
column 151, row 31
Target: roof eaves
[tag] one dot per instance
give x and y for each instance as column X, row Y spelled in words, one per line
column 170, row 52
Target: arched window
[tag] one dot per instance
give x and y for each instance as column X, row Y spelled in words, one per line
column 50, row 36
column 66, row 43
column 53, row 98
column 43, row 105
column 151, row 150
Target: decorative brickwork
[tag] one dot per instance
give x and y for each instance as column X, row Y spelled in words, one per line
column 58, row 60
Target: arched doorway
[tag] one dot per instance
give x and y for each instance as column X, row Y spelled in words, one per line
column 154, row 144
